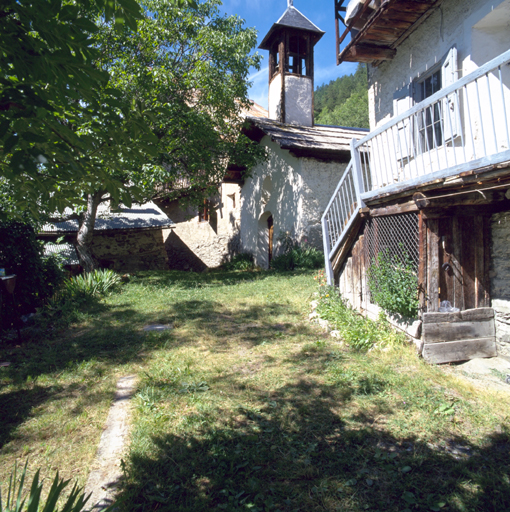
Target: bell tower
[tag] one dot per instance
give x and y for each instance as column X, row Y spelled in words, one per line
column 290, row 42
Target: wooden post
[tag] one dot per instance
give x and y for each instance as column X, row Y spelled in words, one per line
column 487, row 259
column 458, row 280
column 422, row 263
column 468, row 262
column 327, row 249
column 282, row 52
column 433, row 265
column 480, row 265
column 356, row 173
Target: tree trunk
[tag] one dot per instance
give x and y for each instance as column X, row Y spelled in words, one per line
column 86, row 232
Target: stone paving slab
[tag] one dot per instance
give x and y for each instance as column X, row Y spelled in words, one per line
column 106, row 472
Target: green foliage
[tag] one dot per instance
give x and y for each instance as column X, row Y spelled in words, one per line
column 51, row 137
column 343, row 102
column 17, row 501
column 393, row 284
column 37, row 278
column 295, row 256
column 67, row 129
column 358, row 332
column 191, row 94
column 91, row 284
column 76, row 294
column 242, row 261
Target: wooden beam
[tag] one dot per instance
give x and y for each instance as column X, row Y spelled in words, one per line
column 432, row 265
column 456, row 263
column 365, row 53
column 419, row 22
column 393, row 209
column 386, row 11
column 422, row 264
column 346, row 246
column 451, row 351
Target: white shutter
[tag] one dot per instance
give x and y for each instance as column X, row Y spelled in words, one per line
column 450, row 105
column 403, row 101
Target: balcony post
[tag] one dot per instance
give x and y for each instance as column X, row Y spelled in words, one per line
column 358, row 177
column 327, row 250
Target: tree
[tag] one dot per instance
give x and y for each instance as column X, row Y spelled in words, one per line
column 344, row 102
column 185, row 70
column 58, row 115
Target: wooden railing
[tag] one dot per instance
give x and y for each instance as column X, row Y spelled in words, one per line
column 341, row 212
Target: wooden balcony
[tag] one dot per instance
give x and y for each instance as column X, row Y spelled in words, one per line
column 376, row 33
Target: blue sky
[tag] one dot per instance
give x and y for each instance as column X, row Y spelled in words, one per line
column 261, row 14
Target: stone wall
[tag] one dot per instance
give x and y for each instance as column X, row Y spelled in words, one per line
column 126, row 250
column 197, row 245
column 131, row 250
column 500, row 279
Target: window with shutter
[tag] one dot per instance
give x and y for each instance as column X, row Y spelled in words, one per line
column 403, row 101
column 439, row 123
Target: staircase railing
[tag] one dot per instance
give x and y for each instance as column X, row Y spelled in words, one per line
column 341, row 212
column 461, row 128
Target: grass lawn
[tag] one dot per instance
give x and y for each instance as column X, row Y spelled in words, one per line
column 245, row 405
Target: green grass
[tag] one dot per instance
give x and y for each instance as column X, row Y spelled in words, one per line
column 246, row 406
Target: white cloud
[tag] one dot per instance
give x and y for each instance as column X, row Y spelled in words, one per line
column 259, row 88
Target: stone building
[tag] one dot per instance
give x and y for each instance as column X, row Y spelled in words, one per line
column 432, row 178
column 287, row 194
column 127, row 239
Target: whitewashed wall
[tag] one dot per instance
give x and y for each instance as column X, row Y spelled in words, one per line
column 275, row 97
column 480, row 31
column 453, row 24
column 298, row 100
column 295, row 191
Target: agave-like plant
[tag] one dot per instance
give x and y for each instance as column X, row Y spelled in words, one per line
column 17, row 502
column 98, row 282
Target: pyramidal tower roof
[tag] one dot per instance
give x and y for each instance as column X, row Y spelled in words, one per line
column 291, row 18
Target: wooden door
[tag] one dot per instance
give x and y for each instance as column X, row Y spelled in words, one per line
column 457, row 252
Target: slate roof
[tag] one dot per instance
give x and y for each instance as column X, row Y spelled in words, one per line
column 294, row 19
column 319, row 141
column 147, row 215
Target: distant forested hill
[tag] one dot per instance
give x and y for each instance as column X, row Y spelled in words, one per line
column 344, row 101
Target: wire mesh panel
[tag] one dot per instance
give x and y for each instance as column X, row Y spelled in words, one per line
column 394, row 236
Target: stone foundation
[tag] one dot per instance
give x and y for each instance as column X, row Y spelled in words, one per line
column 500, row 279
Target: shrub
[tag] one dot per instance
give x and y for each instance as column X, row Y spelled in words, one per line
column 298, row 257
column 66, row 305
column 358, row 332
column 75, row 502
column 242, row 261
column 37, row 278
column 393, row 284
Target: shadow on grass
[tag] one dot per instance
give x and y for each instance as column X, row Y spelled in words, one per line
column 294, row 452
column 113, row 335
